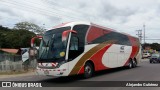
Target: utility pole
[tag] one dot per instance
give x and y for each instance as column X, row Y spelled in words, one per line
column 139, row 34
column 144, row 32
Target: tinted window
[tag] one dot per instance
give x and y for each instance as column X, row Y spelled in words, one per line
column 52, row 46
column 74, row 49
column 120, row 38
column 57, row 30
column 77, row 41
column 74, row 44
column 81, row 33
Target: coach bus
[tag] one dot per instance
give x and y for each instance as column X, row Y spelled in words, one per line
column 83, row 48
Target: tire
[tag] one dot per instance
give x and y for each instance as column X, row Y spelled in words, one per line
column 153, row 61
column 134, row 63
column 150, row 61
column 88, row 70
column 130, row 64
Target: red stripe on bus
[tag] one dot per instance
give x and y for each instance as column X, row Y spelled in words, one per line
column 97, row 59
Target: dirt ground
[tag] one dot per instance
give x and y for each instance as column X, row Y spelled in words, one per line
column 29, row 73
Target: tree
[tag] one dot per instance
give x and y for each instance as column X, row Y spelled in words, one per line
column 10, row 38
column 3, row 33
column 154, row 46
column 18, row 39
column 30, row 27
column 4, row 28
column 146, row 45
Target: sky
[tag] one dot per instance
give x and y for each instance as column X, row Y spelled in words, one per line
column 122, row 15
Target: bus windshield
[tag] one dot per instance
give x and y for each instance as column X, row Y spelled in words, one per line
column 52, row 49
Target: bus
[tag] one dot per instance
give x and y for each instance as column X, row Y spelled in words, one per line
column 83, row 48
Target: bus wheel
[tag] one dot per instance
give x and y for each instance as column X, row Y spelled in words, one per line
column 130, row 65
column 88, row 70
column 134, row 63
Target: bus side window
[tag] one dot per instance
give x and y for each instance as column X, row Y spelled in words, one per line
column 74, row 48
column 74, row 44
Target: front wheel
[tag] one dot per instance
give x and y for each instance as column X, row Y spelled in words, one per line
column 88, row 70
column 130, row 65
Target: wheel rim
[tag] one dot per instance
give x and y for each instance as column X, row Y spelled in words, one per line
column 134, row 63
column 88, row 70
column 130, row 64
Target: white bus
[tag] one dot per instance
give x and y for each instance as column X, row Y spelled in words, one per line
column 83, row 48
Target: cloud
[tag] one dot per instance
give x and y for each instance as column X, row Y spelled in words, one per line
column 122, row 15
column 7, row 11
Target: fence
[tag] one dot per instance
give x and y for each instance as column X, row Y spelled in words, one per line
column 14, row 63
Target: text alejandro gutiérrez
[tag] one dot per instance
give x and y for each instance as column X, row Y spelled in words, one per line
column 142, row 85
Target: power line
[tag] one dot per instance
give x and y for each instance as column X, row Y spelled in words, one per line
column 31, row 8
column 28, row 8
column 57, row 11
column 64, row 9
column 68, row 9
column 48, row 12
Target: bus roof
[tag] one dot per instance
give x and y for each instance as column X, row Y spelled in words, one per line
column 88, row 23
column 72, row 24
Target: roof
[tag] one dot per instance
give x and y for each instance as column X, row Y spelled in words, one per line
column 71, row 24
column 87, row 23
column 14, row 51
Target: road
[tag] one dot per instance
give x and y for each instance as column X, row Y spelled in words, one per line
column 144, row 72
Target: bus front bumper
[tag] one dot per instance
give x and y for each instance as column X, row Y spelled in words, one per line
column 52, row 72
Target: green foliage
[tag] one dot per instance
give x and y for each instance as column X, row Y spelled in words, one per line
column 15, row 38
column 3, row 33
column 2, row 29
column 154, row 46
column 30, row 27
column 37, row 42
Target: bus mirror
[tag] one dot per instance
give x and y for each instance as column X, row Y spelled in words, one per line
column 65, row 34
column 33, row 39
